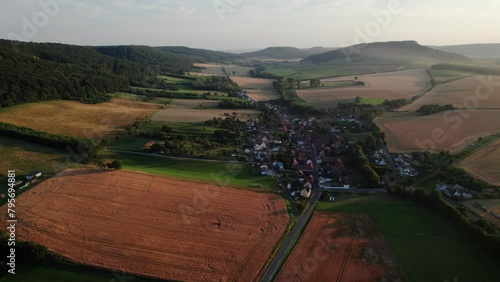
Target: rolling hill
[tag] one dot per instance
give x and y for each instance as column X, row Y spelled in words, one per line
column 284, row 53
column 491, row 50
column 397, row 52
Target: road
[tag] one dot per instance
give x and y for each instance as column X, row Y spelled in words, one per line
column 301, row 224
column 390, row 160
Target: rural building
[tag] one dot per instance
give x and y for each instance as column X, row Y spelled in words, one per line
column 306, row 193
column 34, row 174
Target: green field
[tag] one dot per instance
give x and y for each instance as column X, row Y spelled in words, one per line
column 428, row 247
column 53, row 274
column 132, row 143
column 187, row 91
column 443, row 76
column 305, row 71
column 371, row 101
column 223, row 173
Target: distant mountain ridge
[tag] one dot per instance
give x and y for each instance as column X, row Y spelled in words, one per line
column 284, row 53
column 487, row 50
column 400, row 52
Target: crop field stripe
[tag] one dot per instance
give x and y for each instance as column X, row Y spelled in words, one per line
column 127, row 257
column 268, row 230
column 347, row 252
column 308, row 255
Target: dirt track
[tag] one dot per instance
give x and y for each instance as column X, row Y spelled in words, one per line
column 153, row 226
column 341, row 247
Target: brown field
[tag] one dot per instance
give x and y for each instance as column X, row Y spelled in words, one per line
column 76, row 119
column 253, row 83
column 153, row 226
column 258, row 89
column 189, row 111
column 459, row 93
column 342, row 247
column 445, row 131
column 262, row 95
column 392, row 85
column 490, row 205
column 485, row 164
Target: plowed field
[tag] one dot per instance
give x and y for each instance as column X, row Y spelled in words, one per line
column 341, row 247
column 153, row 226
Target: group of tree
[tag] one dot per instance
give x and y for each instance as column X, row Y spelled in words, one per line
column 363, row 165
column 432, row 109
column 215, row 83
column 260, row 73
column 236, row 104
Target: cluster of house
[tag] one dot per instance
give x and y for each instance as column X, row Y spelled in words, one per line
column 454, row 191
column 378, row 158
column 243, row 95
column 403, row 165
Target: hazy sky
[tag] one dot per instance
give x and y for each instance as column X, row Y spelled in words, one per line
column 248, row 24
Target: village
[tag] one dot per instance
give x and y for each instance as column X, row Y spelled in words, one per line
column 281, row 146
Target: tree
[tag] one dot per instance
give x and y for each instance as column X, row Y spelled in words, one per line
column 116, row 164
column 314, row 83
column 370, row 144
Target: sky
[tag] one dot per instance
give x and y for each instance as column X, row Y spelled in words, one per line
column 249, row 24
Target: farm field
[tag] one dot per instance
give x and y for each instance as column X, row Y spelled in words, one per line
column 447, row 131
column 459, row 93
column 491, row 205
column 306, row 71
column 190, row 111
column 173, row 232
column 227, row 173
column 218, row 69
column 59, row 274
column 443, row 76
column 253, row 83
column 341, row 247
column 24, row 157
column 485, row 164
column 428, row 247
column 393, row 85
column 77, row 119
column 257, row 89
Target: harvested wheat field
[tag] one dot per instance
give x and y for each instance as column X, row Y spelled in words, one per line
column 253, row 83
column 485, row 164
column 153, row 226
column 470, row 92
column 257, row 89
column 190, row 111
column 221, row 70
column 342, row 247
column 392, row 85
column 262, row 95
column 444, row 131
column 77, row 119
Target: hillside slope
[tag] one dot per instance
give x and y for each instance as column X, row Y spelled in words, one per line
column 402, row 52
column 284, row 53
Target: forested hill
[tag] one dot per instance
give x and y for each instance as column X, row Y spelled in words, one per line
column 33, row 72
column 163, row 62
column 202, row 54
